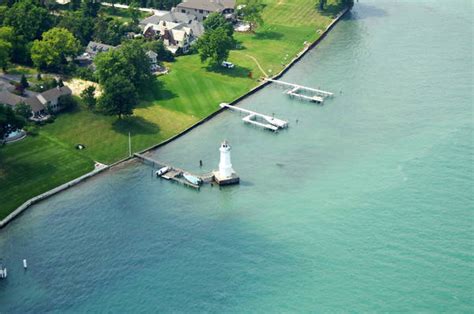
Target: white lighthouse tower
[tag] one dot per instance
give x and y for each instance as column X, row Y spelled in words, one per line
column 226, row 174
column 225, row 165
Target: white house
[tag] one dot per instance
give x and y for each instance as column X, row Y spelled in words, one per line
column 175, row 36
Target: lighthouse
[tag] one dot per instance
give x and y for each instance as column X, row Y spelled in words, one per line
column 225, row 165
column 226, row 175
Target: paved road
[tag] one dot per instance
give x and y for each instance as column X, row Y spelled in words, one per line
column 149, row 10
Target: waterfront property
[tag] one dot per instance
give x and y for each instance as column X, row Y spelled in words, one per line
column 272, row 123
column 187, row 94
column 202, row 8
column 177, row 30
column 40, row 103
column 365, row 206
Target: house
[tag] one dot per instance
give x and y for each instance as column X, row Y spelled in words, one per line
column 202, row 8
column 7, row 98
column 177, row 30
column 176, row 37
column 153, row 57
column 92, row 50
column 38, row 103
column 172, row 16
column 51, row 97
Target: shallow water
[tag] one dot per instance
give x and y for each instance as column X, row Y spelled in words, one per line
column 364, row 204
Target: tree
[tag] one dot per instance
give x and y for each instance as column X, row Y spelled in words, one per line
column 88, row 95
column 109, row 31
column 119, row 96
column 215, row 21
column 252, row 13
column 7, row 40
column 321, row 4
column 28, row 19
column 67, row 102
column 75, row 4
column 136, row 57
column 214, row 46
column 53, row 51
column 90, row 8
column 23, row 110
column 159, row 47
column 5, row 53
column 9, row 121
column 19, row 47
column 24, row 81
column 130, row 61
column 79, row 24
column 60, row 82
column 134, row 12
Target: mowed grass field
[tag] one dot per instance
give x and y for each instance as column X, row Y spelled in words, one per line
column 35, row 165
column 190, row 92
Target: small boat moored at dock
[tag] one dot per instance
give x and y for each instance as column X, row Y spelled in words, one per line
column 162, row 171
column 192, row 179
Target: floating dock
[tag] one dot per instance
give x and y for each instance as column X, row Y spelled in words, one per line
column 317, row 96
column 269, row 122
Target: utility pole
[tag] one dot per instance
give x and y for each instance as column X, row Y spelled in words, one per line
column 129, row 145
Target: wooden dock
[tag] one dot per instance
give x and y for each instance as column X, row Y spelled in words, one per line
column 251, row 117
column 174, row 174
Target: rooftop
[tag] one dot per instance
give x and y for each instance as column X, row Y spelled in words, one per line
column 208, row 5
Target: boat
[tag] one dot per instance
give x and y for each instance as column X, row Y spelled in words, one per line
column 162, row 171
column 3, row 270
column 192, row 179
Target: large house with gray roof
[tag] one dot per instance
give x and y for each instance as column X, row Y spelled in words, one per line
column 177, row 30
column 92, row 50
column 39, row 103
column 202, row 8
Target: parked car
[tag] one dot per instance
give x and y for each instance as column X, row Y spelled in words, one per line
column 228, row 65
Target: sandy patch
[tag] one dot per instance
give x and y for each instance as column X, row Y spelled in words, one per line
column 78, row 85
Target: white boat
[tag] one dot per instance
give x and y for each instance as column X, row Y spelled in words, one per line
column 3, row 271
column 192, row 179
column 162, row 171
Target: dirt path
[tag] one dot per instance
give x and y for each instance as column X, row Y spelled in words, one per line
column 256, row 61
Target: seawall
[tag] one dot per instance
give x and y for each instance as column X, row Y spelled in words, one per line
column 83, row 178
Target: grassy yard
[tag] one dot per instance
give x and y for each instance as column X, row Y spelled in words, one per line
column 35, row 165
column 192, row 89
column 190, row 92
column 106, row 137
column 122, row 15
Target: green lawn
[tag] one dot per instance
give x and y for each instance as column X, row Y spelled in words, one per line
column 106, row 137
column 122, row 15
column 192, row 89
column 35, row 165
column 190, row 92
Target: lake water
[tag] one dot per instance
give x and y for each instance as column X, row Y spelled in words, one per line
column 365, row 204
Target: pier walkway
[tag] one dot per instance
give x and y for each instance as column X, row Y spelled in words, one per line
column 273, row 124
column 175, row 174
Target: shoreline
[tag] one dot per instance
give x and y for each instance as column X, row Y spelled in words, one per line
column 32, row 201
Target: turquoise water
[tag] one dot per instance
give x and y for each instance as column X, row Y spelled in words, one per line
column 365, row 204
